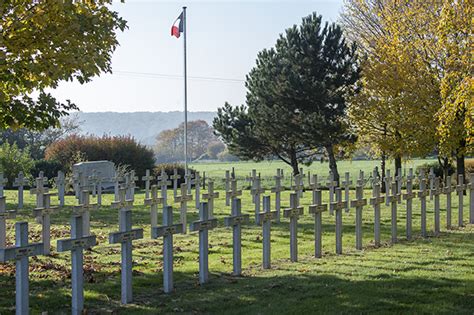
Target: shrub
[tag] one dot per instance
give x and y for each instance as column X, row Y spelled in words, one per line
column 49, row 168
column 122, row 150
column 438, row 170
column 169, row 169
column 14, row 161
column 469, row 166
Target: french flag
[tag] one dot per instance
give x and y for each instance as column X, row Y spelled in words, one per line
column 177, row 27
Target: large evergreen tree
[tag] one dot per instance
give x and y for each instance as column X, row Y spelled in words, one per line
column 296, row 100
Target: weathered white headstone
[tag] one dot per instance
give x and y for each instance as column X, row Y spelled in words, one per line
column 153, row 203
column 45, row 214
column 317, row 208
column 125, row 237
column 203, row 226
column 19, row 182
column 175, row 177
column 183, row 201
column 346, row 183
column 256, row 192
column 331, row 184
column 232, row 193
column 436, row 192
column 210, row 196
column 388, row 185
column 251, row 179
column 293, row 212
column 394, row 197
column 422, row 194
column 197, row 190
column 61, row 185
column 265, row 219
column 76, row 244
column 163, row 182
column 105, row 169
column 338, row 206
column 188, row 179
column 448, row 189
column 84, row 211
column 460, row 188
column 167, row 231
column 408, row 196
column 359, row 204
column 235, row 221
column 375, row 201
column 431, row 177
column 20, row 253
column 39, row 189
column 399, row 181
column 277, row 190
column 227, row 187
column 4, row 215
column 147, row 179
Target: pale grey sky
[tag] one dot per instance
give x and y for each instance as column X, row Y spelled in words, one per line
column 223, row 41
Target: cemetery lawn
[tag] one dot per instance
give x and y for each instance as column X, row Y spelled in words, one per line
column 432, row 275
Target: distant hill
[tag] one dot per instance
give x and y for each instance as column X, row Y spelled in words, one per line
column 144, row 126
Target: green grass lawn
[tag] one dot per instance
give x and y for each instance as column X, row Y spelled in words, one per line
column 432, row 275
column 267, row 169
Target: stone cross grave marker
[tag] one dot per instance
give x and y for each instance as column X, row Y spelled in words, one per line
column 81, row 184
column 84, row 210
column 125, row 237
column 40, row 189
column 346, row 184
column 45, row 218
column 375, row 201
column 96, row 184
column 153, row 203
column 76, row 244
column 203, row 225
column 183, row 201
column 210, row 196
column 256, row 192
column 460, row 188
column 232, row 193
column 197, row 190
column 431, row 177
column 3, row 183
column 251, row 179
column 436, row 192
column 61, row 185
column 408, row 196
column 277, row 190
column 399, row 181
column 235, row 221
column 448, row 189
column 388, row 186
column 331, row 184
column 147, row 179
column 188, row 179
column 298, row 187
column 227, row 187
column 317, row 208
column 394, row 197
column 359, row 204
column 422, row 194
column 163, row 182
column 175, row 177
column 293, row 212
column 338, row 206
column 20, row 253
column 4, row 215
column 130, row 185
column 265, row 219
column 167, row 231
column 20, row 182
column 471, row 198
column 117, row 179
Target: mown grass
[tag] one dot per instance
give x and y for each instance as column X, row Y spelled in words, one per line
column 432, row 275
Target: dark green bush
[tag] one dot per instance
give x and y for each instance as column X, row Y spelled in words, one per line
column 169, row 169
column 50, row 168
column 438, row 170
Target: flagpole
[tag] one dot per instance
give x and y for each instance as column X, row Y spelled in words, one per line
column 185, row 97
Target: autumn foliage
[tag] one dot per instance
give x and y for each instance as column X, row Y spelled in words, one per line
column 122, row 150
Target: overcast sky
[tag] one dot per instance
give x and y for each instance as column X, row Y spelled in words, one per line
column 223, row 40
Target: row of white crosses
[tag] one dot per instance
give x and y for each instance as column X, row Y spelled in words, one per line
column 81, row 238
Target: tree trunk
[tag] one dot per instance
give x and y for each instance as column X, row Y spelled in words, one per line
column 332, row 163
column 382, row 170
column 294, row 163
column 444, row 164
column 398, row 165
column 460, row 166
